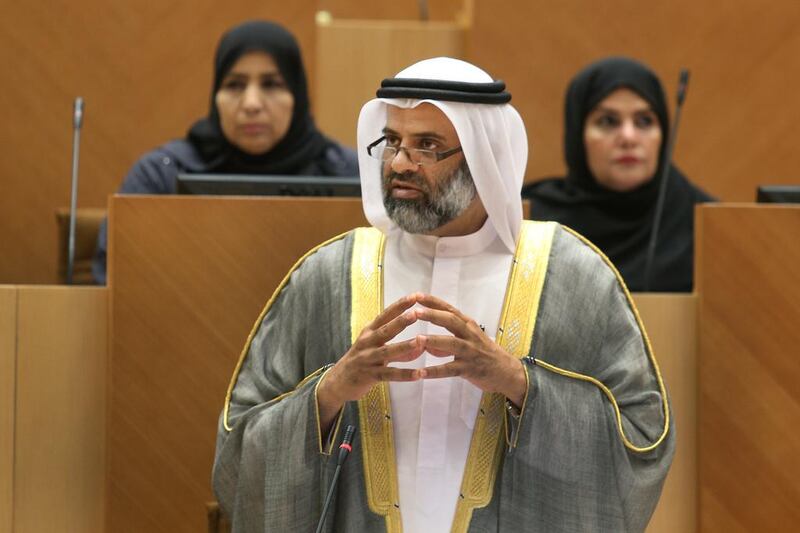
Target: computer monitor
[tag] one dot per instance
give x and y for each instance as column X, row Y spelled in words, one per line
column 778, row 194
column 264, row 185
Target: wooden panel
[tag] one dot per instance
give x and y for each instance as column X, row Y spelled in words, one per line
column 8, row 340
column 138, row 97
column 438, row 10
column 355, row 55
column 188, row 277
column 670, row 322
column 741, row 118
column 60, row 435
column 87, row 226
column 145, row 71
column 748, row 266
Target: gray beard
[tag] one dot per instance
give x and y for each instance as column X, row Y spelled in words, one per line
column 452, row 196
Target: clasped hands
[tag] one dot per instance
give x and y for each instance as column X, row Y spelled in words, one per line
column 476, row 357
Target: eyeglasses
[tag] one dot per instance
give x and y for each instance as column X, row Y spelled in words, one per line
column 415, row 155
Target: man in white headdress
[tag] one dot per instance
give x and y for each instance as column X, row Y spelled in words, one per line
column 507, row 386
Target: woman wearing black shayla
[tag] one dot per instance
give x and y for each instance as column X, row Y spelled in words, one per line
column 259, row 123
column 615, row 137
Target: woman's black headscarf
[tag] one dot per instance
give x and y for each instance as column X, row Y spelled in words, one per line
column 301, row 144
column 619, row 223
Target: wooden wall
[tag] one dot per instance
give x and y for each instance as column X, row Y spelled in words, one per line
column 748, row 264
column 144, row 69
column 741, row 119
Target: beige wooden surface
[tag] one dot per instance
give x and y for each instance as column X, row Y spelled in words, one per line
column 748, row 267
column 670, row 321
column 60, row 406
column 8, row 338
column 353, row 56
column 188, row 278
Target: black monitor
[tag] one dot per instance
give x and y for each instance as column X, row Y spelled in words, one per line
column 778, row 194
column 263, row 185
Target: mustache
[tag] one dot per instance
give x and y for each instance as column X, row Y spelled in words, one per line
column 411, row 178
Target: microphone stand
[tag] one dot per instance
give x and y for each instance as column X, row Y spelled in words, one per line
column 77, row 122
column 662, row 187
column 344, row 450
column 423, row 10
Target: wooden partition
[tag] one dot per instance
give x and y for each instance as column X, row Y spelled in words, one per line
column 8, row 340
column 188, row 278
column 53, row 348
column 748, row 280
column 670, row 321
column 353, row 56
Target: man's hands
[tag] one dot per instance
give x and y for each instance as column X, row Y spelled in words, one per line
column 365, row 363
column 477, row 358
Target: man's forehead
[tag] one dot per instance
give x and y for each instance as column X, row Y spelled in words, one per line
column 424, row 118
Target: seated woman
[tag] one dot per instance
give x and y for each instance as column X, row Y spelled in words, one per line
column 259, row 123
column 615, row 137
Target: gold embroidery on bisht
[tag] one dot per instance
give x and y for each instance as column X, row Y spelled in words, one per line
column 374, row 412
column 515, row 334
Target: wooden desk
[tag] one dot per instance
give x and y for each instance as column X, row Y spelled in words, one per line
column 748, row 280
column 53, row 346
column 670, row 320
column 188, row 277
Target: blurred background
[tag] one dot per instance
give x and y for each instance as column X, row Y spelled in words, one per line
column 144, row 69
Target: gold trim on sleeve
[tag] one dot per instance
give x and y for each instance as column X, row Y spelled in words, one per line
column 517, row 323
column 374, row 409
column 651, row 356
column 254, row 330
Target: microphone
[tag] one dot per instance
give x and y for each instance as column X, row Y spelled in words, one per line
column 423, row 9
column 344, row 450
column 77, row 122
column 683, row 85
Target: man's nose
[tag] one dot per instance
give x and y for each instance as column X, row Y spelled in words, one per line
column 401, row 162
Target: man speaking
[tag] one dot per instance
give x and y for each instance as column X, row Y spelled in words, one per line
column 496, row 371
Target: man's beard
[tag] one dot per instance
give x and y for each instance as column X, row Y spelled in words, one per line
column 449, row 198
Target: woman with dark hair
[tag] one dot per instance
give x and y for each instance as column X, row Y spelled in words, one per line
column 615, row 136
column 259, row 123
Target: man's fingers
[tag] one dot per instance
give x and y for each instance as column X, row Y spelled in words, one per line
column 403, row 351
column 429, row 300
column 444, row 345
column 388, row 331
column 447, row 370
column 399, row 374
column 433, row 302
column 452, row 320
column 439, row 353
column 394, row 310
column 445, row 319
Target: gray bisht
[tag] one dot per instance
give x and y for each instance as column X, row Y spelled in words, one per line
column 571, row 470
